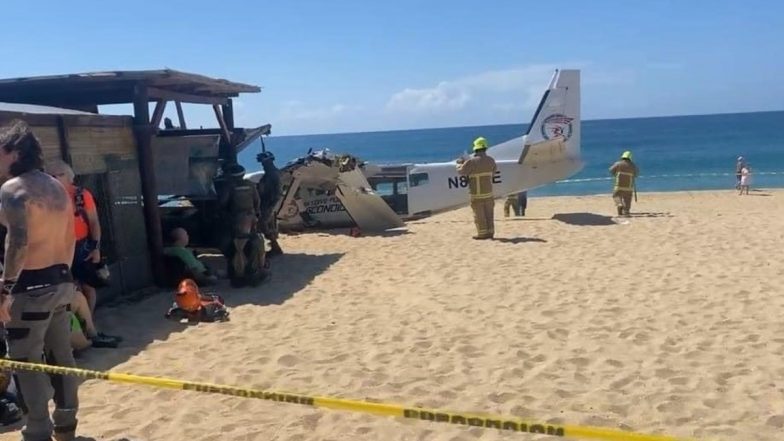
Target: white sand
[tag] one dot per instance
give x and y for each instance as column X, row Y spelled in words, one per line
column 669, row 323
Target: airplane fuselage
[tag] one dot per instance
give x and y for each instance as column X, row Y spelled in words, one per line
column 435, row 188
column 548, row 152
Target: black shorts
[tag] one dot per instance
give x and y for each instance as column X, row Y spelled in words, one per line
column 83, row 270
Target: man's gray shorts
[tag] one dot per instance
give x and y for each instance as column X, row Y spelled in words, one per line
column 40, row 327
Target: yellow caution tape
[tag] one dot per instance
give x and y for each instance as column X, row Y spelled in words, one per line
column 392, row 410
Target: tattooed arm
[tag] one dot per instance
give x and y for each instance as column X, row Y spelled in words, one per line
column 14, row 207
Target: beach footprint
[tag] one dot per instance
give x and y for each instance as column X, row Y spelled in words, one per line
column 288, row 360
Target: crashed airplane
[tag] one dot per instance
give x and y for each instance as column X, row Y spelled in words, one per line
column 322, row 190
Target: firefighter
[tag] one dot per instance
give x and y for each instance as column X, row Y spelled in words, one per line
column 511, row 202
column 625, row 172
column 269, row 189
column 480, row 170
column 245, row 251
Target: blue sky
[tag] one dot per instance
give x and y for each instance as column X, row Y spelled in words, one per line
column 342, row 66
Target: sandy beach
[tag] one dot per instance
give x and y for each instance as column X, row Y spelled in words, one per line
column 668, row 322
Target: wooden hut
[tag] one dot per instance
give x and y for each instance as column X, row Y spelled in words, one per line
column 115, row 157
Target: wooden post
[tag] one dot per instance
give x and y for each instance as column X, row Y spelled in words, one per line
column 180, row 115
column 225, row 148
column 65, row 148
column 157, row 114
column 228, row 115
column 222, row 123
column 152, row 218
column 228, row 118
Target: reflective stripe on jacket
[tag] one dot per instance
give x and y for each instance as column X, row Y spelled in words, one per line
column 624, row 181
column 625, row 172
column 480, row 185
column 480, row 170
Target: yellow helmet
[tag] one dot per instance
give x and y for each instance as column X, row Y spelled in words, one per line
column 627, row 155
column 480, row 144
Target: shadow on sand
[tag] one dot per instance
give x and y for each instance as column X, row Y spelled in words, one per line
column 584, row 219
column 758, row 193
column 290, row 273
column 648, row 214
column 347, row 232
column 515, row 240
column 523, row 218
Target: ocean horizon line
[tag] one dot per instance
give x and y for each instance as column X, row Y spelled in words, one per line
column 625, row 118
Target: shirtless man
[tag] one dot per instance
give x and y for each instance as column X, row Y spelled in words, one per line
column 37, row 285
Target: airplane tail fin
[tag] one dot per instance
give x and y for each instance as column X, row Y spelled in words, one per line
column 558, row 114
column 556, row 118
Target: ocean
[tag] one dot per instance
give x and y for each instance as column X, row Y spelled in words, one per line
column 674, row 153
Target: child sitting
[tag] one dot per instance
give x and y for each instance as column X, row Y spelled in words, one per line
column 194, row 268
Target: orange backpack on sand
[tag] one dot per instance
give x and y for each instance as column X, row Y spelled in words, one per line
column 188, row 297
column 191, row 304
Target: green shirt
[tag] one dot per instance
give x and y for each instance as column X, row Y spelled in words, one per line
column 187, row 258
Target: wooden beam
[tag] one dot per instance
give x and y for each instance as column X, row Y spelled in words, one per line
column 189, row 132
column 157, row 114
column 180, row 115
column 65, row 148
column 152, row 216
column 168, row 95
column 228, row 115
column 69, row 99
column 222, row 124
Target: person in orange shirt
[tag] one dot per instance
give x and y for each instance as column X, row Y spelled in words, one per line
column 87, row 229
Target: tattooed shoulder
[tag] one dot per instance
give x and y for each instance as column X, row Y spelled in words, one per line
column 14, row 199
column 54, row 195
column 40, row 190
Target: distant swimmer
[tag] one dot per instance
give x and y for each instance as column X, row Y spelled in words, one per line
column 625, row 172
column 480, row 170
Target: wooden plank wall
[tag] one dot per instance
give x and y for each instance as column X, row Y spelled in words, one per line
column 103, row 148
column 90, row 145
column 91, row 138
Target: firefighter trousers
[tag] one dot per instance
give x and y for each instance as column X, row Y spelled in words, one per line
column 623, row 201
column 483, row 217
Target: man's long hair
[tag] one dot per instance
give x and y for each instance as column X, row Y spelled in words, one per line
column 17, row 136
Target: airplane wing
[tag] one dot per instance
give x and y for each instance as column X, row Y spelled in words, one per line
column 364, row 205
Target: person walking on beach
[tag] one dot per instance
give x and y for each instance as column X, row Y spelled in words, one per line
column 625, row 172
column 480, row 170
column 37, row 284
column 738, row 171
column 745, row 179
